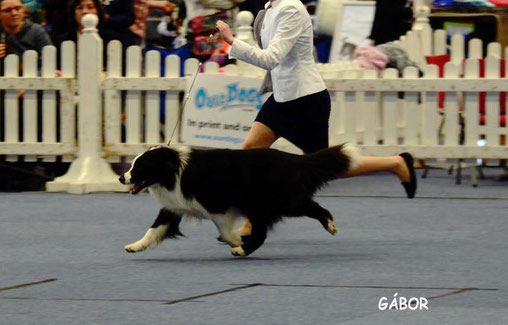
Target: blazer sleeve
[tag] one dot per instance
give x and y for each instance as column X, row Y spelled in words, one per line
column 289, row 29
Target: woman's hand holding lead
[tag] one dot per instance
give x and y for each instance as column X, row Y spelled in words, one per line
column 225, row 32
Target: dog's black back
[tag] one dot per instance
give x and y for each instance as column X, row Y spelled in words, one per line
column 261, row 182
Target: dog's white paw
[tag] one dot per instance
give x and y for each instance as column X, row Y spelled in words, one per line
column 136, row 247
column 151, row 239
column 332, row 228
column 238, row 251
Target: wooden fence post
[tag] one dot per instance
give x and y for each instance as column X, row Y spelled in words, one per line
column 89, row 172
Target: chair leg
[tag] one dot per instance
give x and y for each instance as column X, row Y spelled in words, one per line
column 425, row 171
column 480, row 172
column 474, row 179
column 458, row 179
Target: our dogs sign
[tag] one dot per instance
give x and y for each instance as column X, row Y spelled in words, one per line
column 220, row 111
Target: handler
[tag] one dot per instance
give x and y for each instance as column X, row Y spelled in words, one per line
column 299, row 108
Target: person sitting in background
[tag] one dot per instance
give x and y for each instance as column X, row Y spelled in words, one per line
column 76, row 10
column 56, row 17
column 141, row 9
column 18, row 35
column 119, row 17
column 165, row 29
column 35, row 10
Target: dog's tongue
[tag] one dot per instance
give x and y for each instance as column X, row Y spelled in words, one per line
column 137, row 188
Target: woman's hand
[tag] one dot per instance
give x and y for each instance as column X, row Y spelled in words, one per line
column 225, row 32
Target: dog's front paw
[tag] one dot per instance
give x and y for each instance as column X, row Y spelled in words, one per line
column 136, row 247
column 238, row 251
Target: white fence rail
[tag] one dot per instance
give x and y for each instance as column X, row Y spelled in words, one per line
column 142, row 127
column 36, row 134
column 370, row 114
column 366, row 108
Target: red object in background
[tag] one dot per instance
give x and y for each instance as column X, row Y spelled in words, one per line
column 502, row 96
column 502, row 119
column 440, row 61
column 483, row 95
column 500, row 3
column 203, row 45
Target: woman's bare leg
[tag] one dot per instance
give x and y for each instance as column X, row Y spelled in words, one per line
column 368, row 165
column 260, row 136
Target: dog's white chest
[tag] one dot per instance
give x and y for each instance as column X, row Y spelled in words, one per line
column 176, row 202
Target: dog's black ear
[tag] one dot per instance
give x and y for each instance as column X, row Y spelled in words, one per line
column 171, row 158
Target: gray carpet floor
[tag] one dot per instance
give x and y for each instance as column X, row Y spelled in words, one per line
column 62, row 260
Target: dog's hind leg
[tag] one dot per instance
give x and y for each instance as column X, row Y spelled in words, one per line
column 227, row 226
column 165, row 226
column 253, row 241
column 315, row 211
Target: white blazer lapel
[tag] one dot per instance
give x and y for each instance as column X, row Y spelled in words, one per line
column 266, row 86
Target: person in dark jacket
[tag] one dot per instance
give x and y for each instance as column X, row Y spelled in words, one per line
column 56, row 17
column 393, row 18
column 17, row 34
column 119, row 16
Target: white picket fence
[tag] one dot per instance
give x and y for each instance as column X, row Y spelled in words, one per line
column 25, row 141
column 365, row 107
column 141, row 130
column 367, row 111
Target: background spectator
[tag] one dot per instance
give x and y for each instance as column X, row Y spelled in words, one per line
column 119, row 16
column 56, row 18
column 165, row 24
column 17, row 34
column 75, row 12
column 138, row 29
column 35, row 10
column 141, row 11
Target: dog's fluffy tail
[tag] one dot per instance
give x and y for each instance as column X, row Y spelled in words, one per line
column 331, row 163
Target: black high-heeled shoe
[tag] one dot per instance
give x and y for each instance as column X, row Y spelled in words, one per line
column 410, row 186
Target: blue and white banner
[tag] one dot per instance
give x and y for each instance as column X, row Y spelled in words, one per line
column 220, row 110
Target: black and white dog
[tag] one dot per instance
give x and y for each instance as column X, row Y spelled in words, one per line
column 263, row 185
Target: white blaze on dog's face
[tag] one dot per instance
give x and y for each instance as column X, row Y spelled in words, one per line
column 126, row 177
column 158, row 165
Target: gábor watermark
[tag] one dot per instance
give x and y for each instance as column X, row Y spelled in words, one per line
column 403, row 303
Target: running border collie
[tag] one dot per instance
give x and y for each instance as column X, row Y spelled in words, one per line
column 263, row 185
